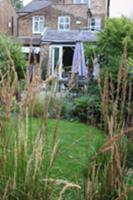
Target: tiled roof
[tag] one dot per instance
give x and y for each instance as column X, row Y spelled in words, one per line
column 26, row 40
column 55, row 36
column 68, row 36
column 35, row 5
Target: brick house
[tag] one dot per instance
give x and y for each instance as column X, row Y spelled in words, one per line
column 54, row 26
column 8, row 18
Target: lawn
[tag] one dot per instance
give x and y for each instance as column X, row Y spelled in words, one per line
column 77, row 143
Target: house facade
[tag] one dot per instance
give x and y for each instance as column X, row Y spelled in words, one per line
column 8, row 18
column 54, row 26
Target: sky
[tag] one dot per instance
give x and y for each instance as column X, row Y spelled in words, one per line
column 121, row 7
column 118, row 7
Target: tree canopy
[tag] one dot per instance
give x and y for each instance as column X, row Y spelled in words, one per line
column 17, row 4
column 111, row 41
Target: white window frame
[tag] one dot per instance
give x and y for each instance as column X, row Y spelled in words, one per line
column 33, row 24
column 64, row 23
column 60, row 62
column 97, row 26
column 36, row 50
column 83, row 2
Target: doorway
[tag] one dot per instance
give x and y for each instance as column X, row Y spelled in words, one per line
column 67, row 60
column 61, row 57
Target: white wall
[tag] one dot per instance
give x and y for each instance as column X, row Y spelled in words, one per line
column 121, row 7
column 26, row 1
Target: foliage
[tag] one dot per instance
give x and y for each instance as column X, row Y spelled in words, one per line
column 104, row 178
column 117, row 34
column 39, row 155
column 28, row 147
column 88, row 107
column 71, row 154
column 17, row 4
column 11, row 56
column 111, row 42
column 117, row 97
column 130, row 66
column 116, row 38
column 81, row 107
column 94, row 104
column 110, row 174
column 115, row 45
column 37, row 109
column 66, row 112
column 90, row 52
column 68, row 109
column 129, row 161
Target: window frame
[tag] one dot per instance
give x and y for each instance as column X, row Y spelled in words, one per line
column 51, row 58
column 97, row 28
column 33, row 24
column 83, row 2
column 64, row 23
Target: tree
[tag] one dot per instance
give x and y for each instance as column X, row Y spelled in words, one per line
column 115, row 47
column 111, row 42
column 17, row 4
column 11, row 55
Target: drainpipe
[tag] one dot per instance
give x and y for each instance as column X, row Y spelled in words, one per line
column 17, row 26
column 89, row 13
column 12, row 26
column 108, row 8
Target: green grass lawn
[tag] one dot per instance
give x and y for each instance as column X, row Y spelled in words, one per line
column 78, row 142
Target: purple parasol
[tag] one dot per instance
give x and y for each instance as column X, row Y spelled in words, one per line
column 78, row 65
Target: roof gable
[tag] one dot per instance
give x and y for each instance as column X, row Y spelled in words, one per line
column 35, row 5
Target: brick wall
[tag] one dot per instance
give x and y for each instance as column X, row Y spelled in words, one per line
column 99, row 7
column 8, row 22
column 51, row 18
column 63, row 7
column 73, row 9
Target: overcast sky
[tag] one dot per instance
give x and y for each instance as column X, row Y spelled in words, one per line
column 118, row 7
column 121, row 7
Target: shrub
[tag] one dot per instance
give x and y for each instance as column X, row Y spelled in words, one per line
column 27, row 157
column 11, row 56
column 81, row 108
column 88, row 108
column 130, row 154
column 37, row 108
column 90, row 51
column 67, row 109
column 109, row 175
column 115, row 28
